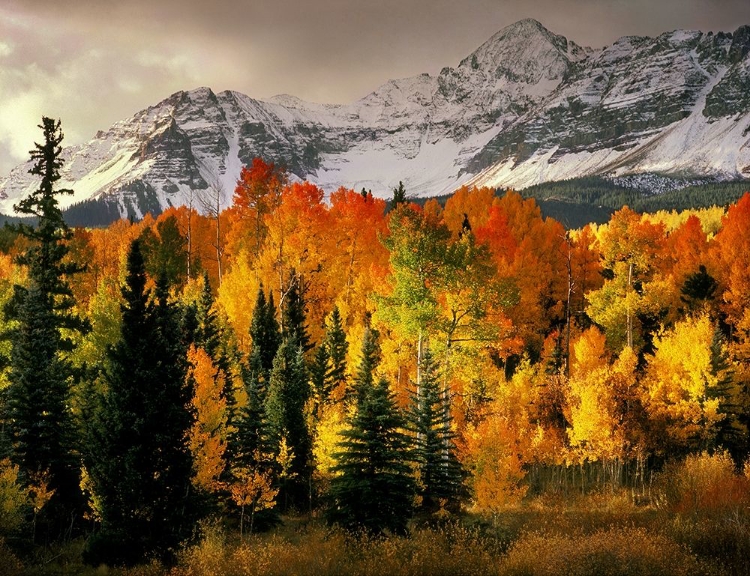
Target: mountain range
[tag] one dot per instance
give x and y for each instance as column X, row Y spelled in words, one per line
column 527, row 107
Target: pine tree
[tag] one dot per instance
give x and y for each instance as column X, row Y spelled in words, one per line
column 39, row 420
column 698, row 287
column 440, row 475
column 264, row 331
column 731, row 433
column 288, row 393
column 328, row 368
column 364, row 379
column 137, row 458
column 210, row 336
column 250, row 443
column 337, row 348
column 399, row 196
column 374, row 489
column 293, row 323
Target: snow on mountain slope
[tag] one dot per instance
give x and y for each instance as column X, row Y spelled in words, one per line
column 527, row 106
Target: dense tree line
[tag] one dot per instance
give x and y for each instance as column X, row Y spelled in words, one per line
column 291, row 354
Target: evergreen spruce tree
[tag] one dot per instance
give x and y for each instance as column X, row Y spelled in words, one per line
column 264, row 331
column 288, row 393
column 364, row 379
column 374, row 489
column 38, row 418
column 439, row 472
column 252, row 446
column 328, row 368
column 698, row 288
column 399, row 196
column 210, row 336
column 732, row 431
column 294, row 318
column 137, row 457
column 337, row 348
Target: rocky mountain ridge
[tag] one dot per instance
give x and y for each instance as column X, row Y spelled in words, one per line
column 526, row 107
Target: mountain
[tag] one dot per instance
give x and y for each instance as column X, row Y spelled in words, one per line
column 527, row 107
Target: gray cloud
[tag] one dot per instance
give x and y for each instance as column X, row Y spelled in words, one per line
column 93, row 62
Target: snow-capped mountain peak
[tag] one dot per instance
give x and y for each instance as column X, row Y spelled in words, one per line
column 525, row 107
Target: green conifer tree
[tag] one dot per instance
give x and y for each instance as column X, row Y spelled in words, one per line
column 137, row 458
column 38, row 417
column 251, row 443
column 288, row 393
column 328, row 368
column 374, row 489
column 264, row 331
column 294, row 317
column 364, row 378
column 439, row 472
column 337, row 348
column 399, row 196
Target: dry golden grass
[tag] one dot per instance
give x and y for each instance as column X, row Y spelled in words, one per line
column 617, row 551
column 596, row 534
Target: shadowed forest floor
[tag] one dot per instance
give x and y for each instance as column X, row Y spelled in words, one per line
column 591, row 535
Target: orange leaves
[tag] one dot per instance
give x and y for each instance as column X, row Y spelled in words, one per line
column 259, row 187
column 208, row 436
column 497, row 235
column 732, row 257
column 475, row 203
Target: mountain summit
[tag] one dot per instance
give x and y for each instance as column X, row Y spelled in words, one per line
column 527, row 106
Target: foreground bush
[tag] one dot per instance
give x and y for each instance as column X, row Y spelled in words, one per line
column 611, row 552
column 451, row 550
column 705, row 483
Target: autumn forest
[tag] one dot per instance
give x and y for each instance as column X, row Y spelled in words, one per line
column 344, row 384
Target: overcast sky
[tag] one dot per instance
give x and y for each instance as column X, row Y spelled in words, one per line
column 93, row 62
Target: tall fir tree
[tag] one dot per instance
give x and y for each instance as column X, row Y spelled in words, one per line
column 264, row 331
column 373, row 490
column 137, row 455
column 38, row 416
column 439, row 472
column 732, row 431
column 328, row 368
column 364, row 378
column 338, row 348
column 294, row 318
column 399, row 196
column 288, row 393
column 250, row 444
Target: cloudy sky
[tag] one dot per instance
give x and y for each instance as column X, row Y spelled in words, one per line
column 93, row 62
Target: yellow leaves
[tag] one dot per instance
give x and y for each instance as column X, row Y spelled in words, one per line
column 94, row 501
column 596, row 393
column 253, row 488
column 589, row 352
column 237, row 294
column 208, row 436
column 327, row 436
column 13, row 498
column 39, row 491
column 681, row 382
column 496, row 459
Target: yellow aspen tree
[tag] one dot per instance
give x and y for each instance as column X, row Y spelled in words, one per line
column 682, row 387
column 208, row 436
column 593, row 433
